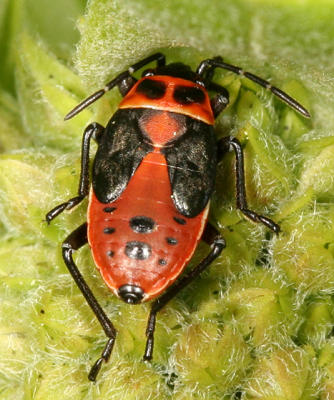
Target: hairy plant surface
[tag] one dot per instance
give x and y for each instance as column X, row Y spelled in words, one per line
column 259, row 323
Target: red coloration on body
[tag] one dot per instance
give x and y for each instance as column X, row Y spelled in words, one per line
column 161, row 127
column 201, row 111
column 147, row 194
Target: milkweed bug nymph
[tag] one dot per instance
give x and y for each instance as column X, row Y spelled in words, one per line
column 152, row 180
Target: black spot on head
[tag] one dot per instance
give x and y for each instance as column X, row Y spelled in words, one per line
column 151, row 88
column 161, row 261
column 142, row 224
column 171, row 241
column 109, row 230
column 180, row 221
column 110, row 253
column 138, row 250
column 178, row 70
column 109, row 209
column 188, row 94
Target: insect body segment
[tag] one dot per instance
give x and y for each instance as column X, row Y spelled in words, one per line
column 144, row 241
column 152, row 179
column 170, row 94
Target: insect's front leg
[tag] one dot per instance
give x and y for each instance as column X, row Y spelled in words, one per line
column 94, row 131
column 230, row 143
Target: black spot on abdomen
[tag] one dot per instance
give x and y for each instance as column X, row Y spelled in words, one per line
column 138, row 250
column 142, row 224
column 171, row 240
column 109, row 209
column 108, row 230
column 180, row 221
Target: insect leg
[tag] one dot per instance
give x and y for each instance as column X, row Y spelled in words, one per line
column 217, row 243
column 74, row 241
column 95, row 131
column 227, row 144
column 124, row 81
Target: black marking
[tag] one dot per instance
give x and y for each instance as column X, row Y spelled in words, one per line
column 121, row 149
column 171, row 241
column 109, row 230
column 178, row 70
column 131, row 294
column 188, row 95
column 151, row 88
column 180, row 221
column 162, row 261
column 110, row 253
column 138, row 250
column 142, row 224
column 192, row 161
column 109, row 209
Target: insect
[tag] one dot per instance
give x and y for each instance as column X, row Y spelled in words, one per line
column 152, row 180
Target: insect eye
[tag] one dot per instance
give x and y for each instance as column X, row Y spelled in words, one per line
column 188, row 95
column 151, row 88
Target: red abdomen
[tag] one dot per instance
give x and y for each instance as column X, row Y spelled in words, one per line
column 140, row 239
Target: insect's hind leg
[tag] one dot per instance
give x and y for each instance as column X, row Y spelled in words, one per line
column 230, row 143
column 217, row 243
column 74, row 241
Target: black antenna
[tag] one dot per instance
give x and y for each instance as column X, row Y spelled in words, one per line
column 159, row 57
column 206, row 65
column 95, row 96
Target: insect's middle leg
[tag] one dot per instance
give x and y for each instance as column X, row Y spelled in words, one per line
column 74, row 241
column 230, row 143
column 217, row 243
column 94, row 131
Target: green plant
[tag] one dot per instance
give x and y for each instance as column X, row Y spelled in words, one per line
column 258, row 324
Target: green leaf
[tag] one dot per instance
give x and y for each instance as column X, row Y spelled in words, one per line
column 258, row 323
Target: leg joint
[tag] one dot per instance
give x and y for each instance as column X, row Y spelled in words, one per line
column 66, row 246
column 218, row 246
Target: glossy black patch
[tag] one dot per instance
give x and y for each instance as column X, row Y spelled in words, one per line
column 138, row 250
column 188, row 95
column 151, row 88
column 180, row 221
column 110, row 253
column 142, row 224
column 131, row 294
column 171, row 241
column 120, row 151
column 109, row 209
column 192, row 162
column 108, row 230
column 179, row 70
column 161, row 261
